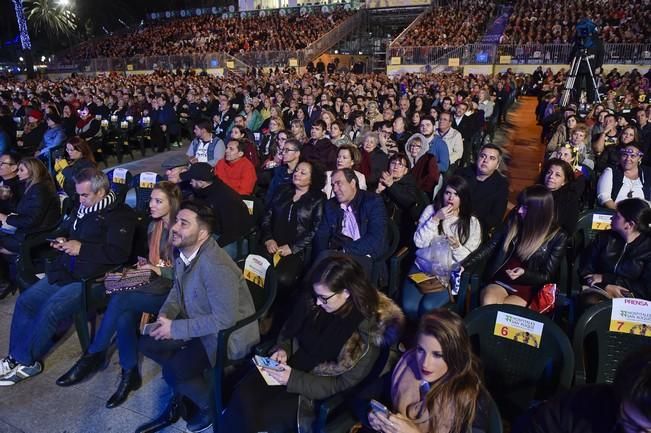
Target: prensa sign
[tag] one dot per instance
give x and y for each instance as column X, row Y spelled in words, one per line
column 631, row 316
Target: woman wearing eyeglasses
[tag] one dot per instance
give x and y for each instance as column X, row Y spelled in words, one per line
column 329, row 344
column 403, row 199
column 290, row 156
column 629, row 179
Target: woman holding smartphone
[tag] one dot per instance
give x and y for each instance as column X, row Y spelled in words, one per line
column 618, row 262
column 330, row 344
column 436, row 386
column 449, row 218
column 125, row 308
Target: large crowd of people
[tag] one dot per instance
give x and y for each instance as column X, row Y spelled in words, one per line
column 553, row 22
column 211, row 33
column 407, row 157
column 452, row 25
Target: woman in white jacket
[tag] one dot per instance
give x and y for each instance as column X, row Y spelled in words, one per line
column 449, row 218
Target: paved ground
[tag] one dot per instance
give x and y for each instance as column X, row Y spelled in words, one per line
column 38, row 405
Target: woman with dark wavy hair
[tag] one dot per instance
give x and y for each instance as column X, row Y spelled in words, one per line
column 436, row 386
column 329, row 344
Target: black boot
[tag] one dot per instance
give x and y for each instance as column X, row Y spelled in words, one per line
column 87, row 365
column 170, row 415
column 7, row 288
column 202, row 421
column 130, row 381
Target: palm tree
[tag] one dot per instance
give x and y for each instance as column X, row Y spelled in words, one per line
column 55, row 20
column 25, row 42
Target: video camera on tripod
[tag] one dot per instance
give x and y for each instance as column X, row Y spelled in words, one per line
column 587, row 56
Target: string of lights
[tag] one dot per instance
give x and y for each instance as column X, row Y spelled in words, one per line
column 25, row 42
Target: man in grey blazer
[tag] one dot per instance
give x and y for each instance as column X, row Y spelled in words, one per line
column 209, row 294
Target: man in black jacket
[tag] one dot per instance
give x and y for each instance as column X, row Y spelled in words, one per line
column 233, row 220
column 489, row 190
column 96, row 239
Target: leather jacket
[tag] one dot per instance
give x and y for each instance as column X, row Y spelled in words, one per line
column 622, row 264
column 309, row 210
column 541, row 268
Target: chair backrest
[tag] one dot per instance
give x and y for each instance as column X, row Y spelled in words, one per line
column 263, row 291
column 256, row 208
column 121, row 180
column 612, row 347
column 517, row 373
column 588, row 227
column 144, row 183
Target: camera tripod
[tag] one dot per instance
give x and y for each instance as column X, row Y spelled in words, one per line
column 580, row 58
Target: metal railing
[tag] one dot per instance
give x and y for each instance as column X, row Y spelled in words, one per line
column 525, row 54
column 413, row 24
column 328, row 40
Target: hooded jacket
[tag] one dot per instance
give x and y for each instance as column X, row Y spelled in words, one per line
column 424, row 166
column 355, row 361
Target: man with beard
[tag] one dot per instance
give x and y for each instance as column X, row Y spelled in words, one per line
column 209, row 294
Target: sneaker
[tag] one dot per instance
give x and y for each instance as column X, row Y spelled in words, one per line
column 21, row 372
column 7, row 365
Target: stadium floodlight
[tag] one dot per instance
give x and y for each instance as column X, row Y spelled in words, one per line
column 63, row 3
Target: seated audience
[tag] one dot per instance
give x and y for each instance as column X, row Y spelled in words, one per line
column 33, row 133
column 628, row 179
column 80, row 157
column 88, row 128
column 235, row 170
column 403, row 199
column 354, row 221
column 423, row 164
column 348, row 156
column 205, row 147
column 232, row 218
column 443, row 359
column 558, row 177
column 339, row 327
column 618, row 262
column 124, row 310
column 374, row 160
column 209, row 294
column 53, row 137
column 291, row 221
column 319, row 148
column 38, row 209
column 290, row 155
column 96, row 238
column 489, row 189
column 449, row 218
column 525, row 254
column 174, row 167
column 435, row 143
column 11, row 188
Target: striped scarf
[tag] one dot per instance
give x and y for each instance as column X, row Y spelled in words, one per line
column 108, row 200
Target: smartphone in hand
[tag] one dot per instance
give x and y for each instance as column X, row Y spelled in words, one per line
column 376, row 406
column 149, row 328
column 265, row 362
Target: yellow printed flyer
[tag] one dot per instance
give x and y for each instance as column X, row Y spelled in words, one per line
column 255, row 269
column 601, row 221
column 517, row 328
column 631, row 316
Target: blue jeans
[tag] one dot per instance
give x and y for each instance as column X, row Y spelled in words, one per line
column 414, row 303
column 38, row 311
column 123, row 316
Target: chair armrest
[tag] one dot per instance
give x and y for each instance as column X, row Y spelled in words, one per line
column 395, row 264
column 325, row 408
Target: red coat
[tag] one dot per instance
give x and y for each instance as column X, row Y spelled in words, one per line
column 239, row 175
